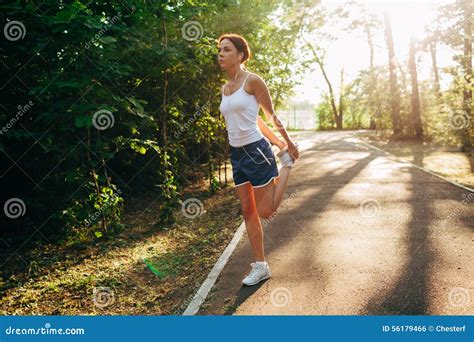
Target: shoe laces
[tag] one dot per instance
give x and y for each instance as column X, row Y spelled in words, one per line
column 255, row 266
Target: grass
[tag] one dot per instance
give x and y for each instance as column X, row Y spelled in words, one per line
column 145, row 270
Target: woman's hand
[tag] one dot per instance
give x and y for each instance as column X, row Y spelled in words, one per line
column 293, row 150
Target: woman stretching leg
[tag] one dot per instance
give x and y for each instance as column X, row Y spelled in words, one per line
column 259, row 184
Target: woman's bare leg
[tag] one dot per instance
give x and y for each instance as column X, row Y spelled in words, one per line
column 268, row 198
column 252, row 220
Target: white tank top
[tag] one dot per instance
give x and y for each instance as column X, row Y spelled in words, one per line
column 240, row 111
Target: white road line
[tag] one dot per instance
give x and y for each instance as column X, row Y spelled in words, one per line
column 206, row 286
column 400, row 159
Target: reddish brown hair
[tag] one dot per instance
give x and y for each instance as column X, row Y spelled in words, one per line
column 240, row 44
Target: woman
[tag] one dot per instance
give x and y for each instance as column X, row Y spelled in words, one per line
column 259, row 184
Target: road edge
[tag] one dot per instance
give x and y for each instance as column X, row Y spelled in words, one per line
column 203, row 292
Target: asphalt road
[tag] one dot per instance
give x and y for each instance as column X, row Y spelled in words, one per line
column 359, row 234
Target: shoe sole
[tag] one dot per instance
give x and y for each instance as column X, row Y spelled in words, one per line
column 262, row 279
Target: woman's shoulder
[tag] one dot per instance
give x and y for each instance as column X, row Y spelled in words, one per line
column 252, row 76
column 254, row 83
column 254, row 79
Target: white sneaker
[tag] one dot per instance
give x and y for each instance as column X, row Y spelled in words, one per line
column 260, row 271
column 285, row 158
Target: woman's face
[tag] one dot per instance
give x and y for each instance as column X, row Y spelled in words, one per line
column 227, row 54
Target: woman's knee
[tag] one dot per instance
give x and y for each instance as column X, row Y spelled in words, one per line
column 265, row 212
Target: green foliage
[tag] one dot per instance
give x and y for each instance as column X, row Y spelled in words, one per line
column 124, row 100
column 325, row 117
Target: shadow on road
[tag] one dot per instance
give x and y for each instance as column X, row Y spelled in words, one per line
column 408, row 295
column 329, row 184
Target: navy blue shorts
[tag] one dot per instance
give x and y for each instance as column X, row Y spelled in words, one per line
column 253, row 163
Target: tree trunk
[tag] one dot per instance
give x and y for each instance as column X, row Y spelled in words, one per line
column 415, row 120
column 372, row 76
column 209, row 158
column 165, row 94
column 337, row 118
column 437, row 88
column 341, row 102
column 394, row 90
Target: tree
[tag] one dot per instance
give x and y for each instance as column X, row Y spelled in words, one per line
column 430, row 43
column 336, row 113
column 455, row 18
column 394, row 89
column 369, row 24
column 124, row 100
column 415, row 119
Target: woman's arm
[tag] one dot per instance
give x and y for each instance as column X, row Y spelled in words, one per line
column 262, row 94
column 268, row 133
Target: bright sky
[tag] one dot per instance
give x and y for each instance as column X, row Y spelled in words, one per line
column 351, row 52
